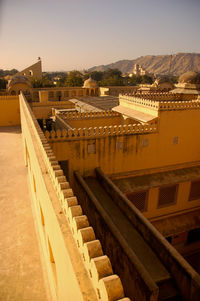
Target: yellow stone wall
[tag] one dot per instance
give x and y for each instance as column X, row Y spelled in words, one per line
column 43, row 107
column 63, row 263
column 125, row 152
column 96, row 122
column 9, row 110
column 68, row 242
column 182, row 204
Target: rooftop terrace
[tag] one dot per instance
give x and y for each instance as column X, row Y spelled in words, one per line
column 21, row 273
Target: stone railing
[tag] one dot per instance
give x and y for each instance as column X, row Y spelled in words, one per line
column 86, row 115
column 107, row 285
column 99, row 132
column 163, row 104
column 140, row 101
column 159, row 96
column 178, row 105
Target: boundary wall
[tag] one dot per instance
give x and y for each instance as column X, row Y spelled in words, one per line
column 163, row 96
column 57, row 211
column 59, row 93
column 9, row 110
column 187, row 279
column 84, row 115
column 161, row 105
column 136, row 280
column 99, row 132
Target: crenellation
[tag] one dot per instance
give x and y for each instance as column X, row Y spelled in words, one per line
column 162, row 101
column 86, row 115
column 97, row 132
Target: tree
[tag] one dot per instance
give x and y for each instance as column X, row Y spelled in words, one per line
column 3, row 83
column 112, row 81
column 96, row 75
column 44, row 82
column 111, row 73
column 74, row 79
column 61, row 82
column 146, row 79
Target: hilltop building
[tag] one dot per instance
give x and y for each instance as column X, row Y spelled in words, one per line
column 115, row 189
column 138, row 71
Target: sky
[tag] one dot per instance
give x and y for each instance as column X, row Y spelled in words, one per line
column 79, row 34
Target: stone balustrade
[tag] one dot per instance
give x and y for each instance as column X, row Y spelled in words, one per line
column 86, row 115
column 99, row 132
column 165, row 101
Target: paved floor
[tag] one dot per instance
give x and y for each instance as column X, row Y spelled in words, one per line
column 21, row 271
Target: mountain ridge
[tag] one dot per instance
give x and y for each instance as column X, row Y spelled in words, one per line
column 175, row 64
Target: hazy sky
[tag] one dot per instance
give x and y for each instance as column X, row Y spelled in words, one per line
column 77, row 34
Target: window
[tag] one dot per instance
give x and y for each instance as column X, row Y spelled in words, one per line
column 139, row 199
column 193, row 236
column 91, row 148
column 194, row 190
column 66, row 94
column 51, row 94
column 167, row 195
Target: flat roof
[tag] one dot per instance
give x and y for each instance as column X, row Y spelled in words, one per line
column 140, row 116
column 144, row 182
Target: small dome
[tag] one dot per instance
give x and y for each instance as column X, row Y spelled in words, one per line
column 190, row 77
column 19, row 79
column 90, row 83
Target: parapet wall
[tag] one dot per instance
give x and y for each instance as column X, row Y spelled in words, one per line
column 116, row 90
column 58, row 211
column 99, row 132
column 85, row 115
column 167, row 103
column 178, row 267
column 163, row 96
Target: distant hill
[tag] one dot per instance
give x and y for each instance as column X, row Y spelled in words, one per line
column 175, row 64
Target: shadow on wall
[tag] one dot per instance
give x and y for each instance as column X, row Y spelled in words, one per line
column 11, row 129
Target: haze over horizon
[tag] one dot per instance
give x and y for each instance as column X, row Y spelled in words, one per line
column 80, row 34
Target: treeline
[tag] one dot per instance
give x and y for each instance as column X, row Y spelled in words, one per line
column 7, row 72
column 110, row 77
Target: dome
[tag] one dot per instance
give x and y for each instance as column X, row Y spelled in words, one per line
column 90, row 83
column 190, row 77
column 19, row 79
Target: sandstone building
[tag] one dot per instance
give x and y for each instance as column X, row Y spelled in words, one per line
column 115, row 188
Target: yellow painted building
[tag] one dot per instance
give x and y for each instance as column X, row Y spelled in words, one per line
column 148, row 147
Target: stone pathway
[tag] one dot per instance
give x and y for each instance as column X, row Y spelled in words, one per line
column 21, row 271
